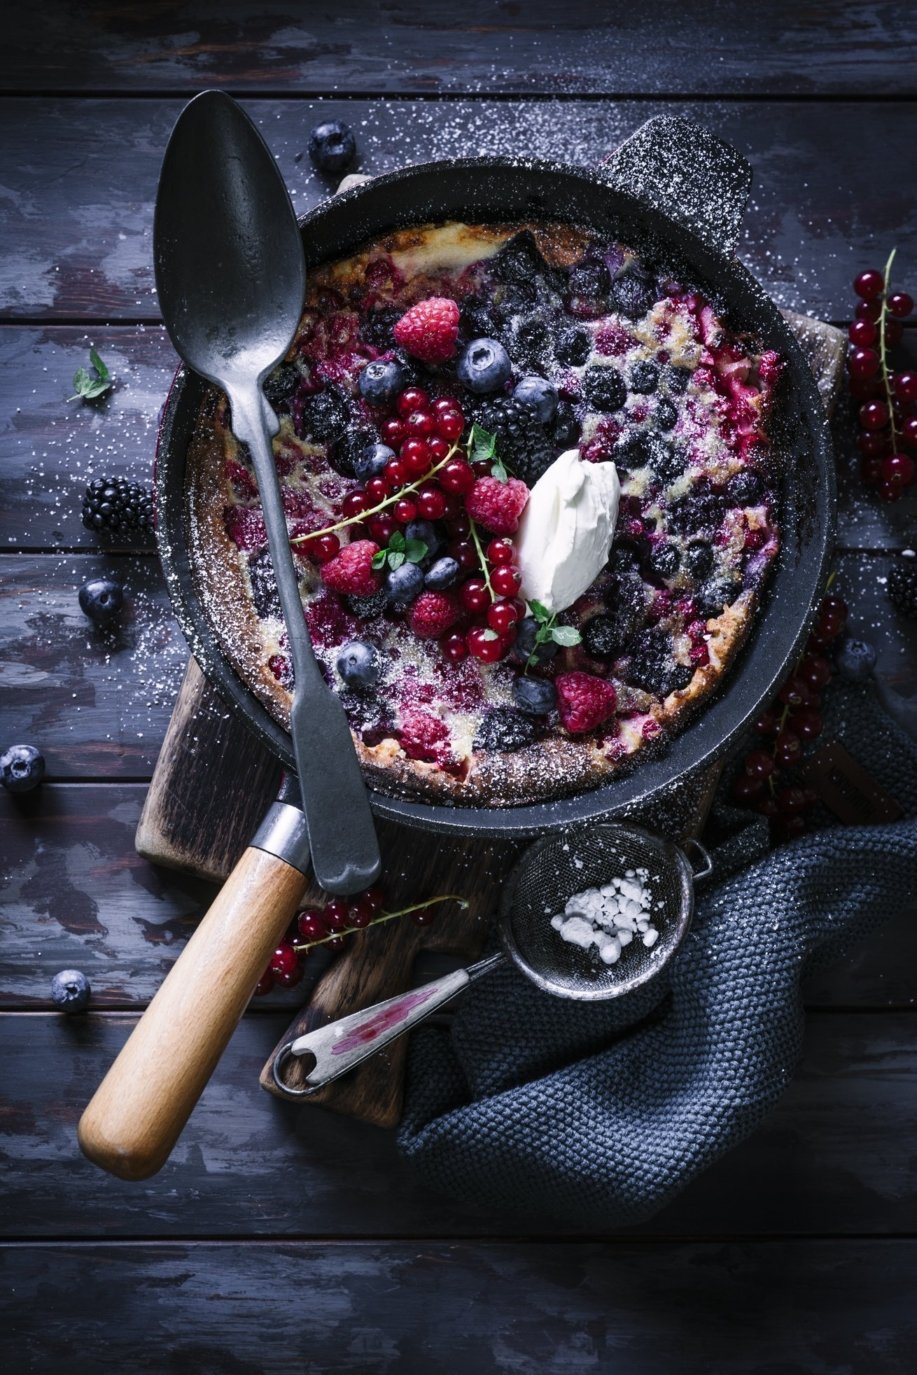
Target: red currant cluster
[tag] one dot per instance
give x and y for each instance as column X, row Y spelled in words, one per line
column 492, row 595
column 765, row 781
column 887, row 412
column 329, row 925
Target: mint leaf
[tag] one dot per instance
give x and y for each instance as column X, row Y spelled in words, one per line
column 489, row 635
column 540, row 611
column 565, row 635
column 498, row 470
column 99, row 366
column 379, row 558
column 87, row 387
column 395, row 559
column 482, row 445
column 397, row 541
column 415, row 550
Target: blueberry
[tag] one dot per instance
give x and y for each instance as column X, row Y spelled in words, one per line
column 632, row 295
column 484, row 366
column 856, row 660
column 719, row 593
column 589, row 280
column 644, row 377
column 324, row 416
column 528, row 340
column 574, row 347
column 539, row 394
column 603, row 638
column 566, row 428
column 664, row 559
column 534, row 696
column 504, row 729
column 70, row 990
column 604, row 388
column 101, row 599
column 745, row 488
column 699, row 559
column 358, row 664
column 652, row 666
column 404, row 585
column 677, row 379
column 332, row 146
column 665, row 416
column 380, row 382
column 22, row 768
column 371, row 461
column 264, row 585
column 426, row 531
column 668, row 460
column 441, row 575
column 280, row 384
column 348, row 449
column 525, row 642
column 519, row 260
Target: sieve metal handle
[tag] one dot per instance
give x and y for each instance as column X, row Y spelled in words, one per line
column 337, row 1048
column 694, row 848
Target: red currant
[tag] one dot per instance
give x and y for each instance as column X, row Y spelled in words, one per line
column 335, row 914
column 438, row 448
column 405, row 511
column 415, row 455
column 868, row 310
column 431, row 502
column 872, row 443
column 766, row 806
column 869, row 284
column 323, row 547
column 900, row 304
column 382, row 527
column 392, row 431
column 485, row 644
column 506, row 579
column 767, row 723
column 745, row 789
column 790, row 800
column 311, row 924
column 450, row 425
column 375, row 898
column 359, row 914
column 376, row 489
column 865, row 388
column 807, row 723
column 891, row 491
column 874, row 415
column 412, row 399
column 787, row 747
column 464, row 553
column 898, row 469
column 284, row 961
column 454, row 647
column 906, row 386
column 862, row 333
column 265, row 983
column 501, row 617
column 863, row 363
column 457, row 476
column 500, row 551
column 759, row 764
column 832, row 617
column 814, row 670
column 444, row 404
column 474, row 595
column 420, row 423
column 795, row 693
column 355, row 504
column 396, row 474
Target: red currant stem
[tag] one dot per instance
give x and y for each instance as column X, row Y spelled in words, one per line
column 886, row 379
column 784, row 715
column 476, row 538
column 378, row 921
column 374, row 510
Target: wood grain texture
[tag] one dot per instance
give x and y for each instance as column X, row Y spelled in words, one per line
column 79, row 246
column 138, row 1111
column 851, row 47
column 498, row 1308
column 835, row 1158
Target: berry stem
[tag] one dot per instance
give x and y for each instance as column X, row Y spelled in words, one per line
column 886, row 379
column 382, row 505
column 482, row 560
column 382, row 918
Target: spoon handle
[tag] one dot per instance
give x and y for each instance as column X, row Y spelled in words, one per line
column 345, row 852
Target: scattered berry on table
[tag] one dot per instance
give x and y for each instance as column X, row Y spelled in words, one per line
column 902, row 584
column 351, row 570
column 534, row 696
column 381, row 381
column 539, row 395
column 332, row 146
column 101, row 599
column 358, row 664
column 22, row 768
column 117, row 506
column 484, row 366
column 856, row 660
column 429, row 330
column 504, row 729
column 584, row 701
column 404, row 585
column 70, row 991
column 497, row 505
column 433, row 613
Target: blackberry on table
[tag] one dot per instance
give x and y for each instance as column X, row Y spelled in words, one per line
column 118, row 506
column 652, row 666
column 521, row 439
column 504, row 729
column 902, row 586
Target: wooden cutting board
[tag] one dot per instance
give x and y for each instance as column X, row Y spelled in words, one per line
column 214, row 781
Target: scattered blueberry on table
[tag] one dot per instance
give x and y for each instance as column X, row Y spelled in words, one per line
column 70, row 991
column 332, row 146
column 22, row 768
column 101, row 599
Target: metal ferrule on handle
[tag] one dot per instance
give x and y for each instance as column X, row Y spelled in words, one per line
column 284, row 833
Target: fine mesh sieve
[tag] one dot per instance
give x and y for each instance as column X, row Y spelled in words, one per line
column 547, row 874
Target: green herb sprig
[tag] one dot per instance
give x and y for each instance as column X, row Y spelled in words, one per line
column 549, row 631
column 89, row 387
column 400, row 550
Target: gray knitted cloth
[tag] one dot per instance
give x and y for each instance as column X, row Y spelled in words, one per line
column 599, row 1114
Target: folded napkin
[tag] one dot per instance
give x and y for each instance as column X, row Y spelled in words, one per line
column 599, row 1114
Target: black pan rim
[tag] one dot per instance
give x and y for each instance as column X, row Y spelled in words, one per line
column 620, row 797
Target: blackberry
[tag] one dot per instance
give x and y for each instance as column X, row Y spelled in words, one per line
column 902, row 586
column 632, row 294
column 677, row 379
column 118, row 506
column 699, row 513
column 588, row 279
column 699, row 559
column 644, row 377
column 719, row 593
column 378, row 327
column 519, row 260
column 504, row 729
column 348, row 451
column 652, row 666
column 745, row 488
column 606, row 635
column 265, row 596
column 574, row 347
column 367, row 607
column 565, row 428
column 477, row 320
column 665, row 416
column 528, row 341
column 521, row 439
column 665, row 559
column 280, row 384
column 323, row 416
column 604, row 388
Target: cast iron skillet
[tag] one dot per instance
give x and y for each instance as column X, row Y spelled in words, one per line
column 674, row 186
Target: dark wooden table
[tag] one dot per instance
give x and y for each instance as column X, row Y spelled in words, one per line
column 284, row 1239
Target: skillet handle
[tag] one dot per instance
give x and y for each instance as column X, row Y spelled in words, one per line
column 688, row 174
column 144, row 1101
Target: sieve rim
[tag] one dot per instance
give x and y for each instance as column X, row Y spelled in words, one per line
column 684, row 874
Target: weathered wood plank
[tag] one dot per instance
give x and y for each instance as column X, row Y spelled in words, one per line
column 835, row 1157
column 79, row 182
column 614, row 48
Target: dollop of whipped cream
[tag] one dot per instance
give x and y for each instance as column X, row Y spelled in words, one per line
column 566, row 530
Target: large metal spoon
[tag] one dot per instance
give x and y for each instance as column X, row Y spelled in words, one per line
column 231, row 278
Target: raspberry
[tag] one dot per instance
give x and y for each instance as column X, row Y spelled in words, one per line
column 497, row 505
column 429, row 330
column 351, row 570
column 433, row 614
column 424, row 737
column 583, row 701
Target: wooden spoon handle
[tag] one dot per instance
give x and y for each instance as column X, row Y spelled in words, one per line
column 144, row 1101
